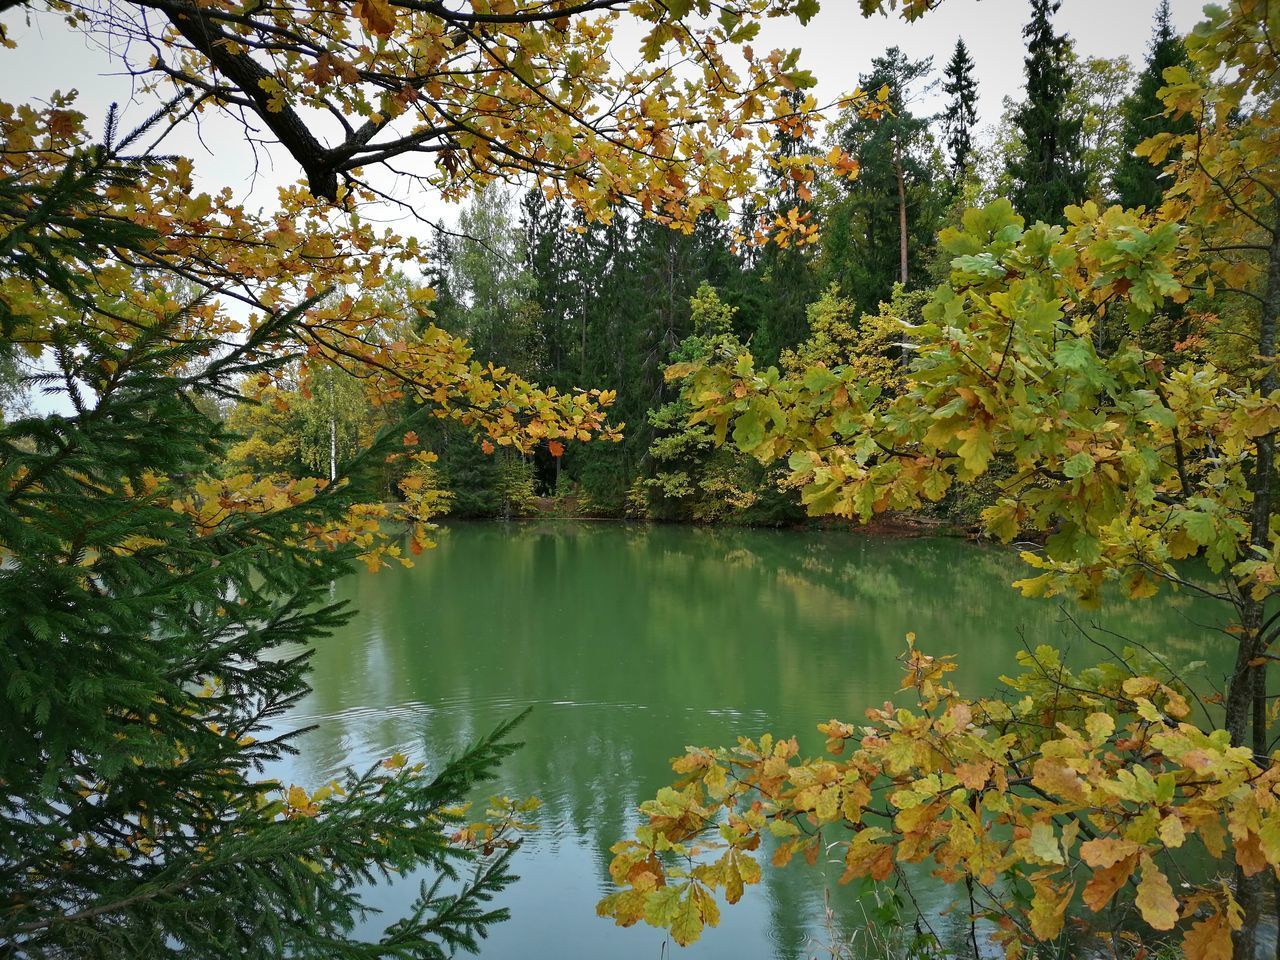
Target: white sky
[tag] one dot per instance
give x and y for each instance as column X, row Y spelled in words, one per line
column 836, row 46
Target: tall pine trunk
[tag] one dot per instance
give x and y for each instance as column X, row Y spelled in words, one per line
column 902, row 214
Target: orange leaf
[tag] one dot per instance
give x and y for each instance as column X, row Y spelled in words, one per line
column 974, row 775
column 410, row 439
column 486, row 446
column 556, row 448
column 1104, row 884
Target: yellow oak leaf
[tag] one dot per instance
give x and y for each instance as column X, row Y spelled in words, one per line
column 1048, row 909
column 1103, row 852
column 1208, row 939
column 1155, row 900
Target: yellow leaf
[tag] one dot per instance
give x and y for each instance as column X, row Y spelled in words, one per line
column 1044, row 843
column 976, row 449
column 687, row 925
column 1172, row 833
column 1048, row 908
column 1099, row 727
column 1155, row 900
column 1208, row 939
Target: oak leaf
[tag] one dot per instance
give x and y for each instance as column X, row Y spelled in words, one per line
column 378, row 16
column 1155, row 900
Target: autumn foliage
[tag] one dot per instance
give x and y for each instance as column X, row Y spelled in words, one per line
column 1071, row 792
column 1125, row 461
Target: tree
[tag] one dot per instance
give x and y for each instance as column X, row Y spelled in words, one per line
column 1135, row 182
column 136, row 819
column 881, row 231
column 612, row 302
column 556, row 285
column 1127, row 464
column 265, row 434
column 1121, row 462
column 783, row 271
column 1048, row 173
column 870, row 346
column 492, row 300
column 692, row 478
column 336, row 421
column 458, row 98
column 1099, row 87
column 961, row 112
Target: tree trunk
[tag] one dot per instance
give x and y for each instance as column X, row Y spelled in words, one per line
column 1246, row 695
column 902, row 215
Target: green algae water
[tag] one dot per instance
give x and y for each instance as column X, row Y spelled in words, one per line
column 631, row 642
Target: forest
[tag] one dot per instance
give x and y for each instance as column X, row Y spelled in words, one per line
column 314, row 643
column 536, row 287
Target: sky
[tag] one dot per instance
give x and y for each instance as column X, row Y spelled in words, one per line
column 837, row 46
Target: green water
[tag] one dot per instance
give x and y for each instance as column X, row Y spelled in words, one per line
column 630, row 642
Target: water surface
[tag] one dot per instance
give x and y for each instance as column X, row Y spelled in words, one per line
column 630, row 642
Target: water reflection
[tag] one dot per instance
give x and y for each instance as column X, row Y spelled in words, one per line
column 630, row 642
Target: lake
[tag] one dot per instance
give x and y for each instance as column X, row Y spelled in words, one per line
column 630, row 642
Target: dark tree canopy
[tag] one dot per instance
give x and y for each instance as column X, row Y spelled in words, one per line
column 961, row 114
column 1136, row 181
column 1047, row 174
column 893, row 208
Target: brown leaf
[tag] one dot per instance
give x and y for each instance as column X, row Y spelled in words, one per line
column 378, row 16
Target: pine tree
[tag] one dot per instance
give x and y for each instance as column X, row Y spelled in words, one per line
column 1136, row 182
column 785, row 278
column 882, row 231
column 1047, row 174
column 962, row 110
column 158, row 624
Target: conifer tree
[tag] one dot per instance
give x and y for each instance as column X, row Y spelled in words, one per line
column 881, row 232
column 158, row 624
column 785, row 276
column 1136, row 181
column 962, row 110
column 1047, row 174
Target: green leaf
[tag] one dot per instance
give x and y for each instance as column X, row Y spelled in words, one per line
column 663, row 905
column 1200, row 527
column 748, row 431
column 1078, row 466
column 982, row 265
column 806, row 10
